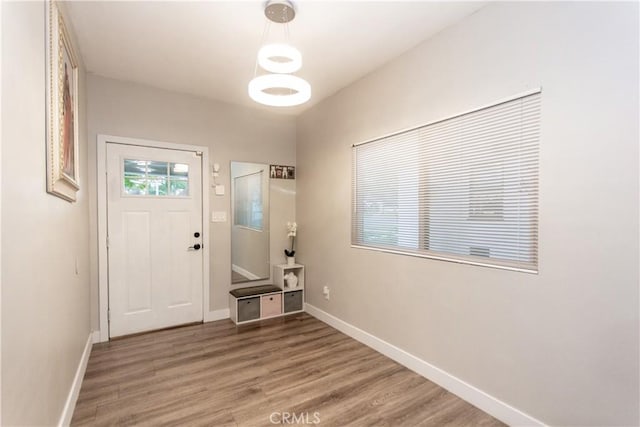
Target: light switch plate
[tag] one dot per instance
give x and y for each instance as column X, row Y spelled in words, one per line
column 219, row 216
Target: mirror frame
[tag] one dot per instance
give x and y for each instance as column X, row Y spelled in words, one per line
column 247, row 231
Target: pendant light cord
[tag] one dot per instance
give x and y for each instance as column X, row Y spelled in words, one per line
column 265, row 31
column 286, row 39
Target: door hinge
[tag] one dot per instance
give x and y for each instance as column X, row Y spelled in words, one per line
column 107, row 242
column 108, row 315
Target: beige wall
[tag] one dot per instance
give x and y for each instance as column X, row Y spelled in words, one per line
column 231, row 133
column 45, row 305
column 561, row 345
column 1, row 37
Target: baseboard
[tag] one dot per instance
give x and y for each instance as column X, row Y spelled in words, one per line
column 212, row 316
column 70, row 404
column 471, row 394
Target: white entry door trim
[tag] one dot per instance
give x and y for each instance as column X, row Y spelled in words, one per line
column 103, row 280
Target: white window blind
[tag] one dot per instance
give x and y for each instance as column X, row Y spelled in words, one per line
column 462, row 189
column 248, row 201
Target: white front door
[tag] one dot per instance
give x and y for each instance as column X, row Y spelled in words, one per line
column 154, row 235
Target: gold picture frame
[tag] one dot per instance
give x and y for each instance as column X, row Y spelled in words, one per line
column 62, row 108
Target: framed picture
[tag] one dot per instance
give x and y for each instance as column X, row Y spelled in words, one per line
column 282, row 172
column 61, row 107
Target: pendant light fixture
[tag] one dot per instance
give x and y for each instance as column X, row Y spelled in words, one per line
column 279, row 88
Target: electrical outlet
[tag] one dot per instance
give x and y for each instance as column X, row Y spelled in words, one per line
column 326, row 292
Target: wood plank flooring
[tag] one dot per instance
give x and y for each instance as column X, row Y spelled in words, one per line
column 219, row 374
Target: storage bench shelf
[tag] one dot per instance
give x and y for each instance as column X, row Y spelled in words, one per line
column 263, row 302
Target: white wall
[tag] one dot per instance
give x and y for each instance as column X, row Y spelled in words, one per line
column 231, row 133
column 562, row 345
column 45, row 305
column 1, row 56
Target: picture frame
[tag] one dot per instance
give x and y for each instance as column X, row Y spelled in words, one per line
column 61, row 107
column 282, row 172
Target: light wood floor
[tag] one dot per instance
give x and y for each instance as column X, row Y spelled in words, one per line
column 219, row 374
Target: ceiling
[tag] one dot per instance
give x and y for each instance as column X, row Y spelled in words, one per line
column 209, row 48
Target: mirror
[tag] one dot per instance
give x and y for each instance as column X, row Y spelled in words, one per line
column 250, row 222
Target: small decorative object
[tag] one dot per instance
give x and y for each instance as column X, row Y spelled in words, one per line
column 62, row 108
column 292, row 280
column 282, row 172
column 292, row 228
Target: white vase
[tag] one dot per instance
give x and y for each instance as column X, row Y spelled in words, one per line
column 291, row 260
column 292, row 280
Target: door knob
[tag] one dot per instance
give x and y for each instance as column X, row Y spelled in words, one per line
column 195, row 247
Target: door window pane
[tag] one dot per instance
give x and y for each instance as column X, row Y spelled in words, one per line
column 179, row 170
column 135, row 177
column 154, row 178
column 179, row 179
column 179, row 187
column 157, row 186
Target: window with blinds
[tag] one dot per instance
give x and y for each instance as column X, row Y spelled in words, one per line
column 247, row 202
column 462, row 189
